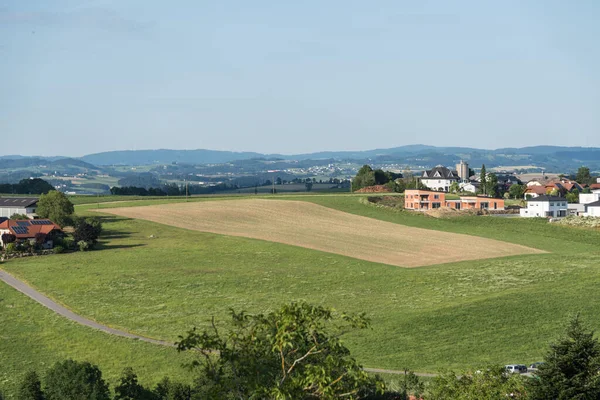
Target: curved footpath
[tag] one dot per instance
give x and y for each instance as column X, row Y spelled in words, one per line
column 65, row 312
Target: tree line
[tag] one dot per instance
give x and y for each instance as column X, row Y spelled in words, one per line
column 171, row 189
column 296, row 352
column 27, row 186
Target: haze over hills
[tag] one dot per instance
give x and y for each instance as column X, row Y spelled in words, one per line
column 559, row 158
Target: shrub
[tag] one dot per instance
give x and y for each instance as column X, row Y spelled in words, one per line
column 68, row 242
column 11, row 248
column 59, row 249
column 83, row 245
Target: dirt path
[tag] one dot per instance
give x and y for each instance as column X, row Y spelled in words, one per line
column 65, row 312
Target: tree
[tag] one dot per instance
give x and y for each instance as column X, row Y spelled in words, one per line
column 516, row 191
column 483, row 180
column 491, row 185
column 573, row 197
column 487, row 384
column 31, row 387
column 364, row 178
column 8, row 238
column 294, row 352
column 87, row 230
column 454, row 187
column 570, row 368
column 56, row 207
column 167, row 390
column 128, row 387
column 583, row 176
column 18, row 216
column 308, row 186
column 73, row 380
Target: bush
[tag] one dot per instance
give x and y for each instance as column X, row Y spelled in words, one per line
column 11, row 248
column 73, row 380
column 83, row 245
column 67, row 242
column 59, row 249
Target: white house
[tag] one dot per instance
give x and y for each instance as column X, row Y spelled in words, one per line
column 472, row 187
column 18, row 205
column 587, row 198
column 545, row 206
column 593, row 209
column 439, row 178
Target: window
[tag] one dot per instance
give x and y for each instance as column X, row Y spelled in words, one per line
column 551, row 204
column 435, row 205
column 436, row 196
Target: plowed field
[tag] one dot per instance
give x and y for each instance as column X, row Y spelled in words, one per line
column 316, row 227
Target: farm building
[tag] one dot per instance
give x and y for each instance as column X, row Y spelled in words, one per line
column 18, row 205
column 30, row 229
column 545, row 206
column 423, row 200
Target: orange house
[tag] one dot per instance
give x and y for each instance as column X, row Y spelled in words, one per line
column 423, row 200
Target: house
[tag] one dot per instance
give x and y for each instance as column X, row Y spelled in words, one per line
column 30, row 229
column 587, row 198
column 472, row 187
column 534, row 191
column 576, row 209
column 424, row 200
column 593, row 209
column 545, row 206
column 439, row 178
column 18, row 205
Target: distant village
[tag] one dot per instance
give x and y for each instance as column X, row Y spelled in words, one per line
column 554, row 198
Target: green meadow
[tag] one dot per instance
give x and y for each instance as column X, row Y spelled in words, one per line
column 159, row 281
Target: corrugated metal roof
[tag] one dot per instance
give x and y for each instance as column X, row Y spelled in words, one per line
column 21, row 202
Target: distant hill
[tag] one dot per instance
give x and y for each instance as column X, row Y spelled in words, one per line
column 143, row 157
column 552, row 158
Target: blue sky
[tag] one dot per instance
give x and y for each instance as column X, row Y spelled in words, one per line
column 79, row 77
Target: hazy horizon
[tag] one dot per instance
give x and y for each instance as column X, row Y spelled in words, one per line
column 82, row 77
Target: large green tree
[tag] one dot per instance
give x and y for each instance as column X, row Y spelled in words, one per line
column 365, row 177
column 583, row 176
column 294, row 352
column 516, row 191
column 31, row 387
column 491, row 185
column 483, row 180
column 55, row 206
column 73, row 380
column 570, row 368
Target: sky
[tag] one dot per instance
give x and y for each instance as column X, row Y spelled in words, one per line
column 81, row 77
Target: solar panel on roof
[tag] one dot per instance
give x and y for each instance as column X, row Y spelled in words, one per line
column 23, row 223
column 40, row 222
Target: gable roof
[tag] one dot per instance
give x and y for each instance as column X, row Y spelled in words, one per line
column 28, row 228
column 594, row 204
column 546, row 198
column 440, row 172
column 20, row 202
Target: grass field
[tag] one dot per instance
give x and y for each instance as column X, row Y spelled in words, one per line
column 33, row 337
column 309, row 225
column 456, row 315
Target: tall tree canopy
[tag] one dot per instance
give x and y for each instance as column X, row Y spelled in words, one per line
column 55, row 206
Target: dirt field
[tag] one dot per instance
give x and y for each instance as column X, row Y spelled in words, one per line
column 316, row 227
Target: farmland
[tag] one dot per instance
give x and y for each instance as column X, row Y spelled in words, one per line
column 159, row 280
column 316, row 227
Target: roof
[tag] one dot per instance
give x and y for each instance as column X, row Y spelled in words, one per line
column 440, row 172
column 595, row 186
column 547, row 198
column 21, row 202
column 594, row 204
column 536, row 190
column 28, row 228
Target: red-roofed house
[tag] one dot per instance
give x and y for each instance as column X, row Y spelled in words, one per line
column 30, row 229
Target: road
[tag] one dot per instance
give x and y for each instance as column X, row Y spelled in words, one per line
column 65, row 312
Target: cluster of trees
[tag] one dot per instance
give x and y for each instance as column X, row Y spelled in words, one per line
column 367, row 176
column 171, row 189
column 583, row 176
column 296, row 352
column 27, row 186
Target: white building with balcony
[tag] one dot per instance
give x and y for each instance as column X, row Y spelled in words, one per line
column 545, row 207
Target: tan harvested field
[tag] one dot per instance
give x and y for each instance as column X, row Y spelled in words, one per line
column 316, row 227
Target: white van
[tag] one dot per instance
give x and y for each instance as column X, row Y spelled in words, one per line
column 516, row 368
